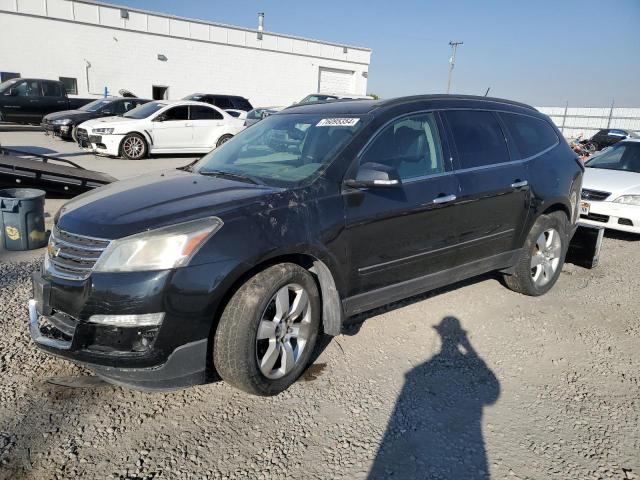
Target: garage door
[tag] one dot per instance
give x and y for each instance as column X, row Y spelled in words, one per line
column 336, row 81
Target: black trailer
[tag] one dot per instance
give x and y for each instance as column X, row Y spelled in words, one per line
column 46, row 172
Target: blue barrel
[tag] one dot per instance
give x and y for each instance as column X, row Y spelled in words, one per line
column 22, row 212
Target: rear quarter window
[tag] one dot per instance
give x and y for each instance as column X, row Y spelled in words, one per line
column 530, row 135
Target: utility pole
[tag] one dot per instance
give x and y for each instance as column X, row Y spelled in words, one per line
column 452, row 61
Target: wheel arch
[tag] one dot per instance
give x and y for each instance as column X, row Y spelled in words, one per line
column 332, row 312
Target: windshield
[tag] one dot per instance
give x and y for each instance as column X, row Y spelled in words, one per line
column 95, row 105
column 317, row 98
column 623, row 156
column 284, row 149
column 143, row 111
column 7, row 84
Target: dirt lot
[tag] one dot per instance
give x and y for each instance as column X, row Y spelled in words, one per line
column 469, row 382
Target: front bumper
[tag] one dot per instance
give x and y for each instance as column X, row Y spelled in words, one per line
column 174, row 354
column 615, row 216
column 105, row 144
column 56, row 130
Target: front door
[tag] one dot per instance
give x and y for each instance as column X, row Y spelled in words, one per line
column 494, row 189
column 400, row 233
column 22, row 102
column 172, row 129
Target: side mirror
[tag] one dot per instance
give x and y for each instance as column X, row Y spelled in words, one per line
column 160, row 118
column 375, row 175
column 13, row 92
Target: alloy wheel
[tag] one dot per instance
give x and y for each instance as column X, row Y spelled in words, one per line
column 133, row 147
column 546, row 257
column 283, row 331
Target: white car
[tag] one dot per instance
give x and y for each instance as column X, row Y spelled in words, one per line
column 160, row 127
column 611, row 188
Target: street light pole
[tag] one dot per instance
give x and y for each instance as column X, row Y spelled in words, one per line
column 452, row 61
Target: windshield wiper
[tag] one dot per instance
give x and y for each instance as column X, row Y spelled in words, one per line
column 234, row 176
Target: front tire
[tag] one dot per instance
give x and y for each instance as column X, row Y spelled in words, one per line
column 74, row 134
column 134, row 147
column 542, row 257
column 223, row 139
column 268, row 330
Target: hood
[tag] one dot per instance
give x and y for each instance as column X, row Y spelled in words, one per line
column 74, row 115
column 113, row 121
column 617, row 182
column 154, row 200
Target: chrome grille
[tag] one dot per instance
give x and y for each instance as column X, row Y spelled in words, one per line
column 73, row 256
column 597, row 195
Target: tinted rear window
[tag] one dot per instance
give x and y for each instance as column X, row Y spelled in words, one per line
column 479, row 138
column 204, row 113
column 531, row 135
column 242, row 104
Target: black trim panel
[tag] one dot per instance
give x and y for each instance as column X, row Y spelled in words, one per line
column 392, row 293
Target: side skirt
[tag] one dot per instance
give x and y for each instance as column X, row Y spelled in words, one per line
column 398, row 291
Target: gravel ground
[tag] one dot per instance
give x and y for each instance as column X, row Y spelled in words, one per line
column 472, row 381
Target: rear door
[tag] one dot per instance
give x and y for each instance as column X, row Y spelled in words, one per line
column 54, row 99
column 494, row 188
column 172, row 129
column 208, row 125
column 400, row 233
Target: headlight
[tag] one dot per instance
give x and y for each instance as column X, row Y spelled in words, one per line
column 103, row 131
column 161, row 249
column 62, row 121
column 628, row 199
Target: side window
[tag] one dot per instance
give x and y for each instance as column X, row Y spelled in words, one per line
column 478, row 137
column 177, row 113
column 28, row 88
column 223, row 102
column 70, row 85
column 204, row 113
column 531, row 135
column 241, row 104
column 51, row 89
column 119, row 107
column 411, row 145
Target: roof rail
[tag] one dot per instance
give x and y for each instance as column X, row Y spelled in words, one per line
column 416, row 98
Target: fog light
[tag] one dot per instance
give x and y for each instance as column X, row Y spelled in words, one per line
column 143, row 320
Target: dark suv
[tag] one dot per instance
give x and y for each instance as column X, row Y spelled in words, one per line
column 224, row 102
column 610, row 136
column 243, row 258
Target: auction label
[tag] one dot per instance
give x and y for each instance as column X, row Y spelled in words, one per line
column 337, row 122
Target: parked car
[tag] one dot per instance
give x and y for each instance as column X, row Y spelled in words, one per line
column 160, row 127
column 611, row 190
column 243, row 258
column 327, row 97
column 223, row 102
column 64, row 123
column 257, row 114
column 27, row 100
column 610, row 136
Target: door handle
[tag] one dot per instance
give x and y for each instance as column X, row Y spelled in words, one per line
column 519, row 184
column 33, row 100
column 188, row 124
column 444, row 199
column 61, row 101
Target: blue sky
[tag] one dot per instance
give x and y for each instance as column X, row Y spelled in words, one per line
column 543, row 52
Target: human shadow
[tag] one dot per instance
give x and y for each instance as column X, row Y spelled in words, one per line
column 435, row 431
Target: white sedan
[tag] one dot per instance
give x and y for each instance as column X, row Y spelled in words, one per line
column 160, row 127
column 611, row 188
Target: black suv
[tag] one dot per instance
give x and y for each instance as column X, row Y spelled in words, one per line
column 316, row 213
column 224, row 102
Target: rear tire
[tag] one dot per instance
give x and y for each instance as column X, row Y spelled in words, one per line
column 134, row 147
column 268, row 330
column 542, row 257
column 223, row 139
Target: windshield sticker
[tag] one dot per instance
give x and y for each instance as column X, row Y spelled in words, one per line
column 337, row 122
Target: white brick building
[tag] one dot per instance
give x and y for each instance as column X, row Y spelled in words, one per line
column 96, row 45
